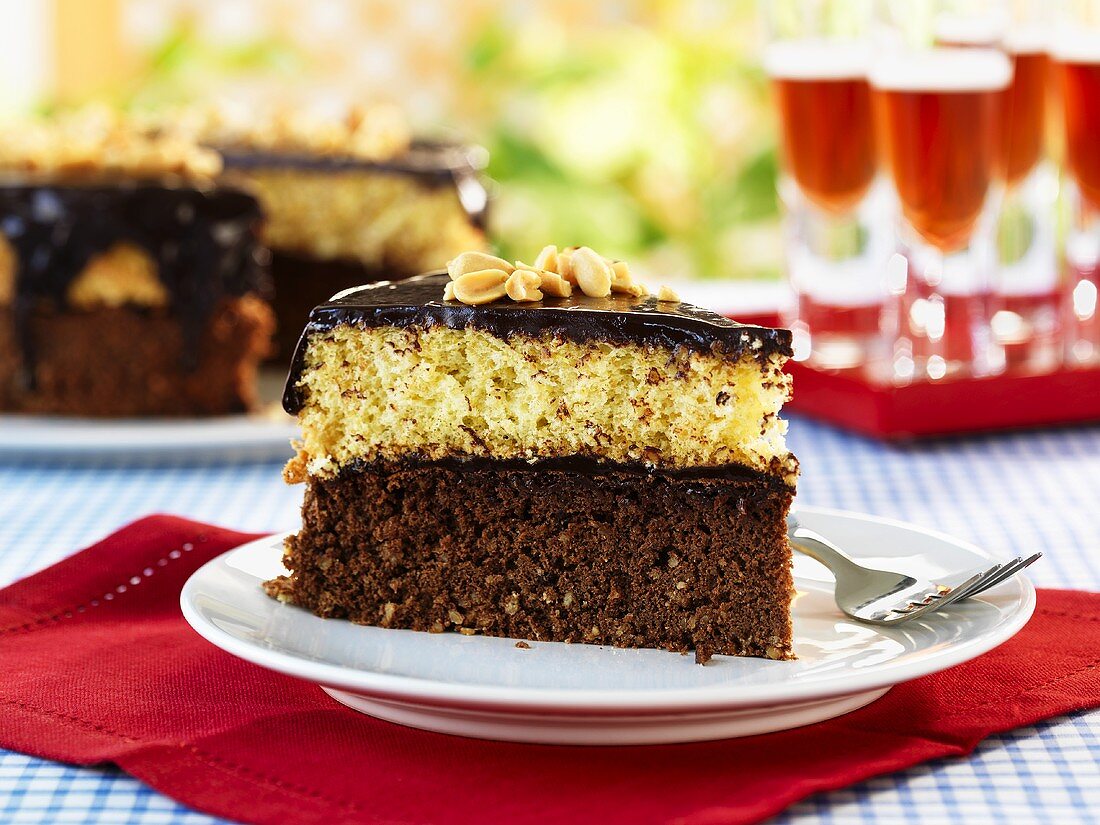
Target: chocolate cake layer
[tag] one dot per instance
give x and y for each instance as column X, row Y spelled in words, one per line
column 617, row 319
column 128, row 361
column 202, row 242
column 616, row 558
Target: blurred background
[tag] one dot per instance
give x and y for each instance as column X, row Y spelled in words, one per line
column 639, row 127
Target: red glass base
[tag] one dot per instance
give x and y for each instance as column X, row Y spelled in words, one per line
column 1013, row 400
column 928, row 408
column 855, row 321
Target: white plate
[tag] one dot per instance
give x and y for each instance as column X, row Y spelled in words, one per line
column 235, row 437
column 587, row 694
column 260, row 435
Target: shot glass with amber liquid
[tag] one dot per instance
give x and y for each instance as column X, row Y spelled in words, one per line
column 835, row 238
column 938, row 112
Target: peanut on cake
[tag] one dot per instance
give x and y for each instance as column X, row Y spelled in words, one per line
column 130, row 284
column 348, row 199
column 543, row 452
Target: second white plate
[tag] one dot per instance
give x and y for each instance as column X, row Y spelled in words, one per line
column 586, row 694
column 265, row 434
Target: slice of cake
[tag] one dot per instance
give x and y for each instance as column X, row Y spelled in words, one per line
column 545, row 453
column 348, row 200
column 130, row 284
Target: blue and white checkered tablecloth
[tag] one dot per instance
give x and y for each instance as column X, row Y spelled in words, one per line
column 1011, row 493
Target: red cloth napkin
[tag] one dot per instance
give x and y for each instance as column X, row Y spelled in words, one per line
column 98, row 665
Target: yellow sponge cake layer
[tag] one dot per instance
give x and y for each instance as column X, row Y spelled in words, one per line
column 376, row 218
column 387, row 392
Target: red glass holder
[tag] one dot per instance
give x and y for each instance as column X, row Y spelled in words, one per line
column 951, row 406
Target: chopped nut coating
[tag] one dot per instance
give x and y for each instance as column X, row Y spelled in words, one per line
column 553, row 284
column 469, row 262
column 547, row 258
column 481, row 287
column 523, row 285
column 592, row 273
column 554, row 274
column 666, row 295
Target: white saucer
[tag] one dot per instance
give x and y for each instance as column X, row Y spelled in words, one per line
column 585, row 694
column 231, row 437
column 265, row 434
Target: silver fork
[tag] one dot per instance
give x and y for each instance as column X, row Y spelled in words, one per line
column 885, row 597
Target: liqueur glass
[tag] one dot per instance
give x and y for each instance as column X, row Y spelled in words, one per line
column 938, row 115
column 834, row 237
column 1075, row 50
column 1025, row 302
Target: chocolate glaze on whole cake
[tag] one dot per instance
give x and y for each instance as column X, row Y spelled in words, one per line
column 201, row 240
column 132, row 283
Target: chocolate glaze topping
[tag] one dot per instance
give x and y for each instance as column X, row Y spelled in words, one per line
column 617, row 319
column 432, row 163
column 203, row 242
column 578, row 465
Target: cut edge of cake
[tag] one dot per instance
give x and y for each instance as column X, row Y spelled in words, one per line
column 652, row 424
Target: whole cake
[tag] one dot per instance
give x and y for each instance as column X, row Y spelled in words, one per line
column 543, row 452
column 130, row 283
column 348, row 199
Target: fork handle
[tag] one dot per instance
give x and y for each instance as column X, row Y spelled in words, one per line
column 818, row 547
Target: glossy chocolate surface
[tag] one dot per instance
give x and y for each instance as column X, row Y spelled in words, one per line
column 583, row 466
column 202, row 241
column 617, row 319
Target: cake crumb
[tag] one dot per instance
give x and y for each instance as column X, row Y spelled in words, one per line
column 523, row 645
column 280, row 589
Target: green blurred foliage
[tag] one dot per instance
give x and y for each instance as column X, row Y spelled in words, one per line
column 649, row 138
column 183, row 67
column 649, row 144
